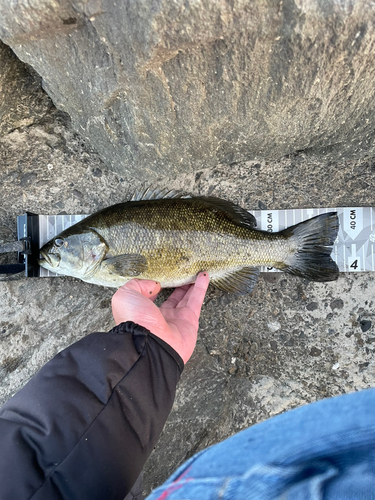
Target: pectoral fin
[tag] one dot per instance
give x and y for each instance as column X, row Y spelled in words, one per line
column 127, row 265
column 239, row 282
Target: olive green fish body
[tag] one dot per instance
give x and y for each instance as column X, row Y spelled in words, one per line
column 171, row 240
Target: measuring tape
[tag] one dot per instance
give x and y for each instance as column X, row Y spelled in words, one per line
column 353, row 250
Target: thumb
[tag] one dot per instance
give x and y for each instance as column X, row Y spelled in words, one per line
column 148, row 288
column 131, row 301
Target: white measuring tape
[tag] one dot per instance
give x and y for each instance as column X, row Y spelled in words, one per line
column 353, row 251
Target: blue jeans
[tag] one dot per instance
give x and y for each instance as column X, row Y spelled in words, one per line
column 325, row 451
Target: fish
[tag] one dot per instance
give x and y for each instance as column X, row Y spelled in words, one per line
column 170, row 237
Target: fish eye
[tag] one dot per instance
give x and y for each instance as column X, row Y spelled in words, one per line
column 59, row 242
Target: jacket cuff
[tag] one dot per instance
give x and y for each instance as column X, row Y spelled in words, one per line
column 140, row 334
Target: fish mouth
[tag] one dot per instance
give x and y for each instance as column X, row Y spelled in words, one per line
column 49, row 260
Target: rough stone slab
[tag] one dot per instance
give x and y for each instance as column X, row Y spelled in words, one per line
column 160, row 86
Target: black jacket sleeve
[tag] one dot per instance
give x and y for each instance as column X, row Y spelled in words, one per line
column 84, row 425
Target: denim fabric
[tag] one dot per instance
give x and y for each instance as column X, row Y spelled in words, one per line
column 321, row 451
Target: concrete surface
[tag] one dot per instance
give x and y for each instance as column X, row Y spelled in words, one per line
column 160, row 86
column 289, row 343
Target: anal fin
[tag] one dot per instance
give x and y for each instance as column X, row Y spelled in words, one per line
column 239, row 282
column 127, row 265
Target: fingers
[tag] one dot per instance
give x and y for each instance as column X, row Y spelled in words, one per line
column 148, row 288
column 175, row 297
column 194, row 297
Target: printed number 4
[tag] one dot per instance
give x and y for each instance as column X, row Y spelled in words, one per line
column 355, row 264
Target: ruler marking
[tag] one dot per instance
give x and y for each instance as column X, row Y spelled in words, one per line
column 354, row 253
column 52, row 237
column 335, row 247
column 364, row 259
column 40, row 240
column 55, row 231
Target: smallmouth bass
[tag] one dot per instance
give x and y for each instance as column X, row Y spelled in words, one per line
column 170, row 237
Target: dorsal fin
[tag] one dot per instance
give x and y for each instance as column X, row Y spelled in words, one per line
column 235, row 213
column 157, row 194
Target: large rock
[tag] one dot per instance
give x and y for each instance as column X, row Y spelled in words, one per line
column 164, row 87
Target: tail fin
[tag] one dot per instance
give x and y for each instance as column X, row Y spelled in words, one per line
column 313, row 240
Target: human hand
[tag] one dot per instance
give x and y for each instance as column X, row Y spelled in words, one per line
column 176, row 321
